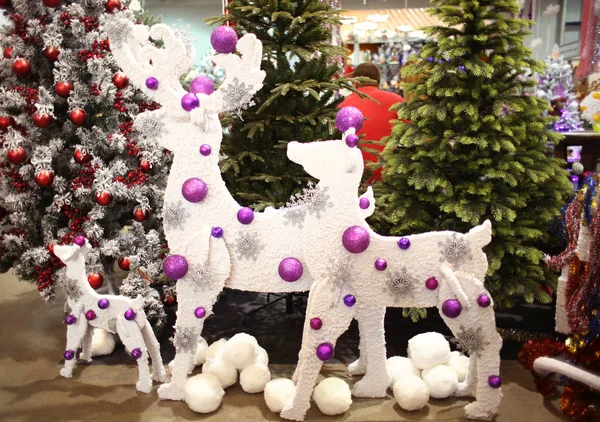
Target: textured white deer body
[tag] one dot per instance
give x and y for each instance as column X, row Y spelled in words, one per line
column 116, row 314
column 361, row 275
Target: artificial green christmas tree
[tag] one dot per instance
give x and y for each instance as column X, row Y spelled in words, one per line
column 474, row 149
column 297, row 102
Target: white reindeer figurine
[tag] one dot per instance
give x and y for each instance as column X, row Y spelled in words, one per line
column 214, row 242
column 116, row 314
column 359, row 273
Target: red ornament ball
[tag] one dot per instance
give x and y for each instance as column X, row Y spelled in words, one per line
column 63, row 89
column 547, row 289
column 169, row 300
column 120, row 80
column 21, row 67
column 4, row 4
column 104, row 198
column 44, row 178
column 7, row 52
column 78, row 116
column 96, row 280
column 81, row 156
column 111, row 5
column 51, row 3
column 16, row 155
column 140, row 215
column 6, row 122
column 41, row 120
column 125, row 263
column 52, row 53
column 146, row 166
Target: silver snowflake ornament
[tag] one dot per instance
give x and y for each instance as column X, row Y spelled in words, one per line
column 295, row 216
column 471, row 340
column 401, row 283
column 200, row 276
column 186, row 339
column 175, row 216
column 455, row 250
column 112, row 325
column 149, row 126
column 339, row 273
column 237, row 95
column 248, row 246
column 72, row 289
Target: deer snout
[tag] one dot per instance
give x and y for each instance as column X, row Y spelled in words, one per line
column 294, row 151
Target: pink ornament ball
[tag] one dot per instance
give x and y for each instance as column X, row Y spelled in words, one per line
column 349, row 300
column 80, row 240
column 349, row 117
column 70, row 319
column 194, row 190
column 245, row 215
column 217, row 232
column 175, row 267
column 290, row 269
column 152, row 83
column 69, row 354
column 316, row 323
column 404, row 243
column 484, row 300
column 136, row 353
column 381, row 264
column 205, row 150
column 224, row 39
column 90, row 315
column 130, row 314
column 431, row 283
column 200, row 312
column 202, row 85
column 356, row 239
column 103, row 303
column 325, row 351
column 190, row 102
column 352, row 140
column 494, row 381
column 364, row 203
column 451, row 308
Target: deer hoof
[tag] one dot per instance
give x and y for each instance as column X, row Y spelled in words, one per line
column 159, row 375
column 478, row 411
column 170, row 391
column 66, row 373
column 292, row 414
column 371, row 388
column 144, row 386
column 464, row 390
column 357, row 368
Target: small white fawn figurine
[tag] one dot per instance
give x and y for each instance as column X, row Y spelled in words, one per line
column 359, row 273
column 116, row 314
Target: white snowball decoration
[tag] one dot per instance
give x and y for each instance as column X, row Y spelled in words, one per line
column 399, row 366
column 262, row 356
column 428, row 350
column 279, row 393
column 254, row 378
column 203, row 393
column 240, row 350
column 223, row 370
column 459, row 364
column 103, row 342
column 215, row 350
column 441, row 380
column 333, row 396
column 201, row 350
column 411, row 392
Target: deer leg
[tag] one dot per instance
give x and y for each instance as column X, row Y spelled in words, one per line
column 359, row 366
column 467, row 387
column 75, row 335
column 86, row 347
column 133, row 340
column 377, row 380
column 336, row 320
column 158, row 370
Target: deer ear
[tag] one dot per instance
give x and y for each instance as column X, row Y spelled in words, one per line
column 65, row 252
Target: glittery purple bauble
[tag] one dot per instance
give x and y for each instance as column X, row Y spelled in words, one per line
column 194, row 190
column 245, row 215
column 80, row 240
column 217, row 232
column 152, row 83
column 349, row 117
column 129, row 314
column 352, row 140
column 136, row 353
column 190, row 102
column 404, row 243
column 381, row 264
column 175, row 267
column 356, row 239
column 451, row 308
column 290, row 269
column 364, row 203
column 70, row 319
column 494, row 381
column 325, row 351
column 200, row 312
column 90, row 315
column 224, row 39
column 349, row 300
column 484, row 300
column 316, row 323
column 103, row 303
column 205, row 150
column 202, row 85
column 431, row 283
column 69, row 354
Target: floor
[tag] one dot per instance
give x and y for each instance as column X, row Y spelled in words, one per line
column 32, row 341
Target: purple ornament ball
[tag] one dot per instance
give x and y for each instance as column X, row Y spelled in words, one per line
column 217, row 232
column 381, row 264
column 69, row 354
column 129, row 314
column 205, row 150
column 325, row 351
column 90, row 315
column 200, row 312
column 136, row 353
column 190, row 102
column 316, row 323
column 431, row 283
column 364, row 203
column 202, row 85
column 356, row 239
column 494, row 381
column 290, row 269
column 70, row 319
column 352, row 140
column 152, row 83
column 404, row 243
column 451, row 308
column 194, row 190
column 245, row 215
column 349, row 300
column 103, row 303
column 175, row 267
column 349, row 117
column 224, row 39
column 80, row 240
column 484, row 300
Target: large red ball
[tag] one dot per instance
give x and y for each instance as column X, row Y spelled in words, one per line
column 6, row 122
column 104, row 198
column 120, row 80
column 16, row 155
column 4, row 4
column 125, row 263
column 96, row 280
column 51, row 3
column 146, row 166
column 111, row 5
column 52, row 53
column 78, row 116
column 63, row 89
column 140, row 214
column 44, row 178
column 7, row 52
column 41, row 120
column 81, row 157
column 21, row 67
